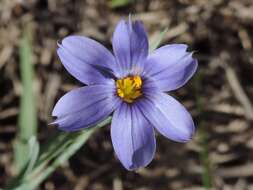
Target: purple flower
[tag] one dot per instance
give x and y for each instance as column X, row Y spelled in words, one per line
column 132, row 84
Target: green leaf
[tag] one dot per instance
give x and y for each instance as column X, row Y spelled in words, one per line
column 33, row 154
column 119, row 3
column 27, row 121
column 158, row 40
column 57, row 151
column 202, row 134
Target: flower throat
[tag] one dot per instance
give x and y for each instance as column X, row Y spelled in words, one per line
column 129, row 88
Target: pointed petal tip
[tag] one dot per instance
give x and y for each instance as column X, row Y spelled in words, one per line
column 58, row 44
column 130, row 18
column 57, row 124
column 132, row 168
column 135, row 168
column 55, row 121
column 52, row 123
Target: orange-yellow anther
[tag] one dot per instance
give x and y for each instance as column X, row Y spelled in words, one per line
column 129, row 88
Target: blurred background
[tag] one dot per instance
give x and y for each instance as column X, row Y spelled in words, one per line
column 220, row 95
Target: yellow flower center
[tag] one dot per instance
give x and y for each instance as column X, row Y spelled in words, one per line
column 129, row 88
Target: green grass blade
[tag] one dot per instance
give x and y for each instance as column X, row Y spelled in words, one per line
column 53, row 154
column 27, row 121
column 202, row 135
column 119, row 3
column 33, row 154
column 158, row 40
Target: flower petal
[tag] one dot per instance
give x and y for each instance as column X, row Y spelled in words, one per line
column 90, row 52
column 170, row 66
column 132, row 137
column 130, row 46
column 168, row 116
column 84, row 107
column 86, row 59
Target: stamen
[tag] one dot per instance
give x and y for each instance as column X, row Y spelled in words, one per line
column 129, row 88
